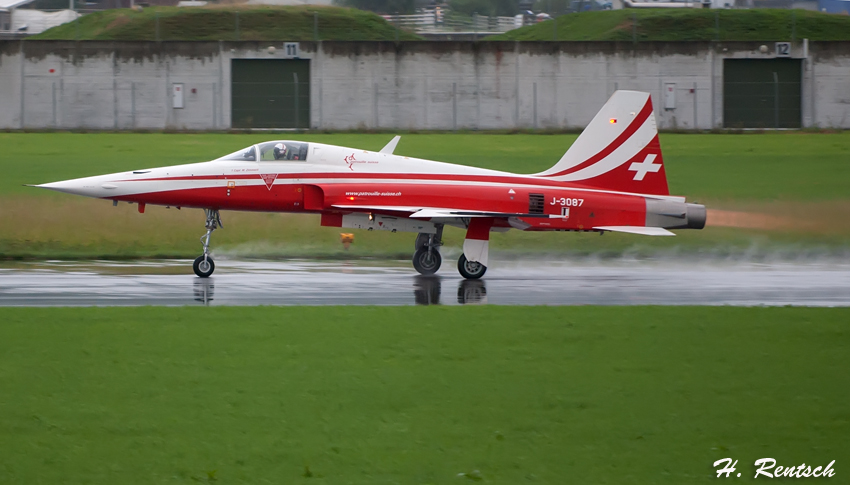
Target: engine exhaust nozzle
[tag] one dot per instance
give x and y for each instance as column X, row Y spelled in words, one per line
column 696, row 215
column 671, row 214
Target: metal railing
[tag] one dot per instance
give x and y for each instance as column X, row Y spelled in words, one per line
column 431, row 22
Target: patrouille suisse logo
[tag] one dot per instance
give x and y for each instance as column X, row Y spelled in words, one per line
column 269, row 179
column 349, row 160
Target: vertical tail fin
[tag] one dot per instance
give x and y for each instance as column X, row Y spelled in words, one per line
column 618, row 150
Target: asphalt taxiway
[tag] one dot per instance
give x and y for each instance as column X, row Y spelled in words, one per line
column 620, row 282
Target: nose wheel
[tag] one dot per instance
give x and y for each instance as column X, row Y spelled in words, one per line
column 204, row 265
column 427, row 259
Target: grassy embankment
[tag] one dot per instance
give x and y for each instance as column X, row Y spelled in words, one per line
column 418, row 395
column 218, row 22
column 688, row 25
column 295, row 23
column 793, row 188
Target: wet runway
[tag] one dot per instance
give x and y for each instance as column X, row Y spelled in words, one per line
column 618, row 282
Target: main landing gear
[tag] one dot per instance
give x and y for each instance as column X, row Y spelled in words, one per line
column 427, row 259
column 204, row 265
column 470, row 270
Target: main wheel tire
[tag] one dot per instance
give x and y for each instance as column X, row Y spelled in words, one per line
column 204, row 268
column 425, row 261
column 469, row 269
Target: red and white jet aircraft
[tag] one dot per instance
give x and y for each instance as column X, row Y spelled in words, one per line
column 611, row 179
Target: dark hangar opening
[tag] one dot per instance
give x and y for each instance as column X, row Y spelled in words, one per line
column 270, row 93
column 762, row 93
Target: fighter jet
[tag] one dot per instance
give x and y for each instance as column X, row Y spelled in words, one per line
column 611, row 179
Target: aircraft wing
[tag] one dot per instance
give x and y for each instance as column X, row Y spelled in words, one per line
column 392, row 208
column 443, row 213
column 642, row 230
column 432, row 212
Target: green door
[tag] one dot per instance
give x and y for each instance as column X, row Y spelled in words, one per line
column 762, row 93
column 270, row 93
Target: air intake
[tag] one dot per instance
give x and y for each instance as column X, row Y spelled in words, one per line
column 535, row 203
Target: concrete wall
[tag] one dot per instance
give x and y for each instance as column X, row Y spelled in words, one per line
column 98, row 85
column 830, row 86
column 384, row 85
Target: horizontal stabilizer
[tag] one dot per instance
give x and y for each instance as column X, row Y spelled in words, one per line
column 642, row 230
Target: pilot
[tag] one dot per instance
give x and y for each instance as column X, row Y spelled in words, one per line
column 280, row 151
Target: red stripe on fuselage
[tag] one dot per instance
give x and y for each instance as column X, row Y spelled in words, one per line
column 499, row 179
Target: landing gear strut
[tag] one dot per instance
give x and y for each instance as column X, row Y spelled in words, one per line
column 427, row 259
column 204, row 265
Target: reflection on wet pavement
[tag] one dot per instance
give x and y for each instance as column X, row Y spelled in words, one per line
column 396, row 283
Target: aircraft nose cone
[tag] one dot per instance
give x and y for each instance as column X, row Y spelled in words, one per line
column 90, row 186
column 67, row 186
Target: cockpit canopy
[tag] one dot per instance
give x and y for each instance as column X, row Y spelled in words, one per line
column 270, row 151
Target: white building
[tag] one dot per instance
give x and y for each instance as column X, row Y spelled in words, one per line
column 14, row 19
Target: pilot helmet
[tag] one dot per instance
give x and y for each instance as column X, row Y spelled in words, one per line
column 279, row 151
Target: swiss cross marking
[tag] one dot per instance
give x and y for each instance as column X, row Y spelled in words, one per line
column 269, row 179
column 641, row 168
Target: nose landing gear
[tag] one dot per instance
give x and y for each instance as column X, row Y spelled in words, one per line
column 427, row 259
column 204, row 265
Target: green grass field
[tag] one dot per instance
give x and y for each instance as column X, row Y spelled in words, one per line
column 759, row 24
column 801, row 180
column 418, row 395
column 794, row 166
column 219, row 22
